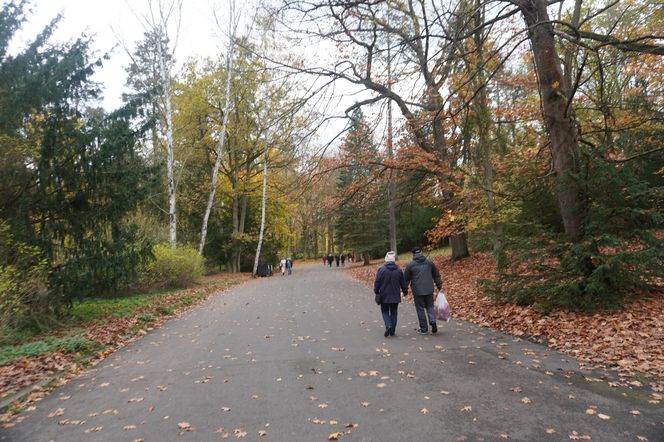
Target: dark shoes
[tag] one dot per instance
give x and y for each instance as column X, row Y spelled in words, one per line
column 387, row 332
column 392, row 331
column 434, row 328
column 421, row 332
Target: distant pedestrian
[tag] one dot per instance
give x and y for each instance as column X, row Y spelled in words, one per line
column 336, row 259
column 324, row 259
column 282, row 266
column 343, row 260
column 388, row 285
column 422, row 274
column 289, row 265
column 330, row 258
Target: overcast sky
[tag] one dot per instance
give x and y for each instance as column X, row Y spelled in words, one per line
column 112, row 21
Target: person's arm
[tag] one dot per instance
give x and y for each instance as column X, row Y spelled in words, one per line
column 436, row 276
column 377, row 281
column 407, row 274
column 403, row 283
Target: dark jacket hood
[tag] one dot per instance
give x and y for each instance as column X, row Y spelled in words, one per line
column 391, row 266
column 419, row 258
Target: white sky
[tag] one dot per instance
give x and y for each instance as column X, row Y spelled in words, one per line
column 112, row 21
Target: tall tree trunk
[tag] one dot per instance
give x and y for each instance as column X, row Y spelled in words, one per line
column 170, row 161
column 222, row 136
column 263, row 204
column 484, row 123
column 391, row 187
column 558, row 121
column 459, row 243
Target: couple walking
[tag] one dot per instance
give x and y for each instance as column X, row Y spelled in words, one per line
column 422, row 274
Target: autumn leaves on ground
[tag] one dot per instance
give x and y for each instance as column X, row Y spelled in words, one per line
column 116, row 325
column 629, row 340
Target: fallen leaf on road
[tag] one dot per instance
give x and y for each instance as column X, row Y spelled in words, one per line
column 338, row 349
column 467, row 408
column 317, row 421
column 351, row 425
column 642, row 438
column 445, row 392
column 504, row 436
column 129, row 427
column 313, row 398
column 184, row 426
column 526, row 400
column 335, row 436
column 365, row 404
column 635, row 412
column 322, row 405
column 603, row 417
column 239, row 433
column 225, row 408
column 64, row 398
column 517, row 389
column 550, row 431
column 591, row 411
column 136, row 399
column 381, row 385
column 262, row 433
column 424, row 411
column 71, row 422
column 93, row 429
column 577, row 436
column 58, row 412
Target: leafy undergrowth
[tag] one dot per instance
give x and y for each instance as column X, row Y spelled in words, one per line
column 99, row 328
column 628, row 341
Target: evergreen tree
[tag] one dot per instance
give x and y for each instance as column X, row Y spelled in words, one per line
column 69, row 176
column 362, row 223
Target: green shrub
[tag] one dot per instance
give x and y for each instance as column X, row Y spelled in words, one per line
column 25, row 300
column 173, row 267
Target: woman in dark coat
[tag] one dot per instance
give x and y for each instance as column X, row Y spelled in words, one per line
column 388, row 286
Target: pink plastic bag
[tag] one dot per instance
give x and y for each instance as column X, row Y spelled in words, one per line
column 442, row 308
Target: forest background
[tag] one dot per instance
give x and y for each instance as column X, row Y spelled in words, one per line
column 528, row 129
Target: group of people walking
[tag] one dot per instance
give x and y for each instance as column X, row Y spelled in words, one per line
column 421, row 274
column 338, row 258
column 286, row 265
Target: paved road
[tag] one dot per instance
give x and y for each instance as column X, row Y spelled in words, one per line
column 302, row 356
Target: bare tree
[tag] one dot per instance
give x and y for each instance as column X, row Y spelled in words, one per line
column 232, row 27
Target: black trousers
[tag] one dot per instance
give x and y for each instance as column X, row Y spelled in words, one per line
column 424, row 308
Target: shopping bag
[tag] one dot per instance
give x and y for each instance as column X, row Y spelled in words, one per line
column 442, row 308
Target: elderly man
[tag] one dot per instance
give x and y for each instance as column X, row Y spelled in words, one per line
column 422, row 274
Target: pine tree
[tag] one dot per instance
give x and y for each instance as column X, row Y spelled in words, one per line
column 362, row 223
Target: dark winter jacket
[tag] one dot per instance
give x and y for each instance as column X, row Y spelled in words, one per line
column 422, row 274
column 389, row 281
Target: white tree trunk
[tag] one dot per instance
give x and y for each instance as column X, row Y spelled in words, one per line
column 166, row 83
column 260, row 235
column 222, row 139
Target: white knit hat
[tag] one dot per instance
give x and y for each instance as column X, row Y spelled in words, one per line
column 390, row 256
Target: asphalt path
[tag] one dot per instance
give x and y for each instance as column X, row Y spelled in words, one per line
column 302, row 357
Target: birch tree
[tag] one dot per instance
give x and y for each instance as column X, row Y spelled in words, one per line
column 232, row 27
column 160, row 16
column 263, row 208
